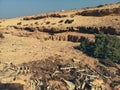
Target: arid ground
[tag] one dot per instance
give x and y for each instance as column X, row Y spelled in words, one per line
column 55, row 34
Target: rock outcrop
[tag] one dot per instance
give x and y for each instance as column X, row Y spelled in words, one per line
column 80, row 29
column 54, row 15
column 100, row 12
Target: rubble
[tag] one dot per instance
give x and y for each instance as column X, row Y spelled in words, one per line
column 54, row 74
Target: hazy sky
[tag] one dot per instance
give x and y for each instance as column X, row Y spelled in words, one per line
column 15, row 8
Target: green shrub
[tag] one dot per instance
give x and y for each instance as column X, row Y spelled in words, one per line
column 104, row 47
column 86, row 46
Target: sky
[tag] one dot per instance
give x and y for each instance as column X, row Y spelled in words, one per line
column 16, row 8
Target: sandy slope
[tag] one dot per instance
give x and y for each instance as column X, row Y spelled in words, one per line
column 23, row 49
column 19, row 46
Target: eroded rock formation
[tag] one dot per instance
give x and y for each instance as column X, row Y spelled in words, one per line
column 102, row 12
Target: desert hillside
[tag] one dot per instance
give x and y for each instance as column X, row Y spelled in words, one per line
column 53, row 36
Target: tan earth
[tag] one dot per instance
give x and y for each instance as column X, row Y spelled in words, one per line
column 37, row 37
